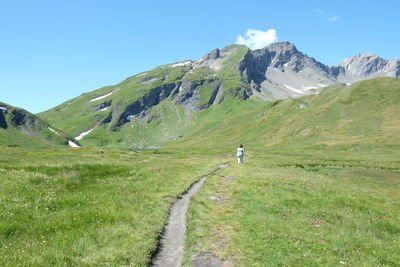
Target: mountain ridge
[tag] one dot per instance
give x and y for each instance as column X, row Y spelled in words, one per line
column 154, row 107
column 279, row 71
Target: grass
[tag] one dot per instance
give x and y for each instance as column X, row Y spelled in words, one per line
column 284, row 210
column 362, row 114
column 165, row 122
column 200, row 74
column 320, row 185
column 20, row 128
column 80, row 114
column 84, row 207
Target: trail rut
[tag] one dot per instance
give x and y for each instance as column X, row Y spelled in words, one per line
column 170, row 247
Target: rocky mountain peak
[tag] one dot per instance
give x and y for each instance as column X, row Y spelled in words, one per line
column 364, row 65
column 363, row 59
column 281, row 63
column 213, row 55
column 281, row 48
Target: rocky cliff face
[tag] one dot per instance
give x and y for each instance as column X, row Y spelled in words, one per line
column 3, row 113
column 280, row 71
column 362, row 67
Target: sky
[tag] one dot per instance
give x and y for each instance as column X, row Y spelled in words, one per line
column 52, row 51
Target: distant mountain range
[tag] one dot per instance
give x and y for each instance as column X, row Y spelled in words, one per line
column 163, row 105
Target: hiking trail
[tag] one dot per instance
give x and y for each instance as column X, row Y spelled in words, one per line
column 170, row 247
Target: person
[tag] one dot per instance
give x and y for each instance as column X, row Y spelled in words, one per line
column 240, row 154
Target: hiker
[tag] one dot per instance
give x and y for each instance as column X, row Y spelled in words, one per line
column 240, row 154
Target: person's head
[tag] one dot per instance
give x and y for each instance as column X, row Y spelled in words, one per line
column 241, row 146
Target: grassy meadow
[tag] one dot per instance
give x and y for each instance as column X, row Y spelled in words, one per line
column 320, row 185
column 307, row 208
column 281, row 208
column 84, row 207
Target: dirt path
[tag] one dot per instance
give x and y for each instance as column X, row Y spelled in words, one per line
column 171, row 244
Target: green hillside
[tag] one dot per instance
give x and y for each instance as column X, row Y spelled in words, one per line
column 145, row 110
column 18, row 127
column 364, row 113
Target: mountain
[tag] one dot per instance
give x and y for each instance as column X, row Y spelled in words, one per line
column 361, row 67
column 165, row 104
column 19, row 127
column 156, row 106
column 280, row 71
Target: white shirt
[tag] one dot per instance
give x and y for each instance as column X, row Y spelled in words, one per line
column 240, row 152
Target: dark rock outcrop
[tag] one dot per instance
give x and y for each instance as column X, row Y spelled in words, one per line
column 3, row 122
column 22, row 118
column 140, row 107
column 17, row 123
column 103, row 105
column 213, row 55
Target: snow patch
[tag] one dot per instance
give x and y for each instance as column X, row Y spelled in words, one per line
column 180, row 64
column 4, row 108
column 308, row 87
column 302, row 106
column 180, row 88
column 348, row 83
column 214, row 66
column 100, row 97
column 53, row 131
column 72, row 144
column 83, row 134
column 322, row 85
column 142, row 74
column 103, row 109
column 294, row 89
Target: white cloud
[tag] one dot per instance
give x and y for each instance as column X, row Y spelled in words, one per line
column 333, row 19
column 256, row 39
column 319, row 11
column 322, row 12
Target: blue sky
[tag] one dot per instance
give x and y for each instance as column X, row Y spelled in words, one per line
column 52, row 51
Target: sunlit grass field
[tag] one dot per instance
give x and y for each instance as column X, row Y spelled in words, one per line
column 88, row 206
column 320, row 186
column 300, row 209
column 281, row 208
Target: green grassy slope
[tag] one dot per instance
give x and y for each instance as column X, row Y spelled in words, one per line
column 162, row 122
column 18, row 127
column 367, row 112
column 79, row 114
column 165, row 123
